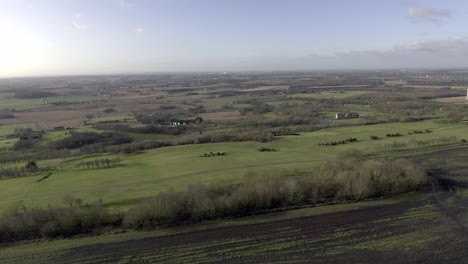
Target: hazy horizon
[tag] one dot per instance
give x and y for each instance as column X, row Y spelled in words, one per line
column 56, row 38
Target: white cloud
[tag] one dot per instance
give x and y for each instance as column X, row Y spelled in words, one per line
column 79, row 26
column 413, row 55
column 427, row 14
column 139, row 30
column 124, row 3
column 78, row 23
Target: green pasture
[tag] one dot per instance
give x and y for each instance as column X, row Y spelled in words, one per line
column 120, row 118
column 75, row 98
column 58, row 135
column 335, row 95
column 10, row 129
column 20, row 104
column 142, row 175
column 26, row 104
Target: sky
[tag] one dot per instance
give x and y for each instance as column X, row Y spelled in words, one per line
column 70, row 37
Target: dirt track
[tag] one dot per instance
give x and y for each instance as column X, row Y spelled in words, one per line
column 329, row 238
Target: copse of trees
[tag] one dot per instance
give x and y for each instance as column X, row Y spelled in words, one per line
column 394, row 134
column 77, row 218
column 340, row 142
column 20, row 156
column 137, row 146
column 213, row 154
column 109, row 110
column 77, row 140
column 98, row 163
column 27, row 138
column 263, row 149
column 426, row 131
column 147, row 129
column 6, row 116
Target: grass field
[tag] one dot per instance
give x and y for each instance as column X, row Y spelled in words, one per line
column 10, row 129
column 337, row 95
column 143, row 175
column 121, row 118
column 21, row 104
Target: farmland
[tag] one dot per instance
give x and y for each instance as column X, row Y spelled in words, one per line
column 122, row 145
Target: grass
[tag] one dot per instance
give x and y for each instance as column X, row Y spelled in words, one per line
column 335, row 95
column 58, row 135
column 122, row 118
column 27, row 104
column 143, row 175
column 21, row 104
column 10, row 129
column 407, row 242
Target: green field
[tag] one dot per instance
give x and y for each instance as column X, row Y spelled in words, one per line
column 143, row 175
column 336, row 95
column 10, row 129
column 121, row 118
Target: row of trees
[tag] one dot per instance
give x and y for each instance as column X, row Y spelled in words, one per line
column 98, row 163
column 77, row 140
column 31, row 168
column 340, row 142
column 213, row 154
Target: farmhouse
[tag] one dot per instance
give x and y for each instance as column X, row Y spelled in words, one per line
column 348, row 115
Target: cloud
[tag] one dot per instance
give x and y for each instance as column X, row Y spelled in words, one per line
column 413, row 55
column 427, row 14
column 78, row 23
column 124, row 3
column 139, row 30
column 79, row 26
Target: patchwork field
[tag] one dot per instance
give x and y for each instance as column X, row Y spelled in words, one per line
column 235, row 168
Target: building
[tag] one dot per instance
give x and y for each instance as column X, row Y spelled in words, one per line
column 347, row 115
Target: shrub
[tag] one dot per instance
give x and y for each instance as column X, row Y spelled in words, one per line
column 351, row 178
column 55, row 222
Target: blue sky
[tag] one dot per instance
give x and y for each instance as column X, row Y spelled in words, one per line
column 55, row 37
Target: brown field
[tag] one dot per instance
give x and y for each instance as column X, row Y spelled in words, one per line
column 267, row 88
column 458, row 100
column 49, row 119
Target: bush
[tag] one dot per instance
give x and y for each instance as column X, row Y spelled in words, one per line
column 76, row 140
column 6, row 116
column 55, row 222
column 109, row 110
column 349, row 179
column 263, row 149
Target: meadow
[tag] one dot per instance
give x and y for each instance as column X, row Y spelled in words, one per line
column 145, row 174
